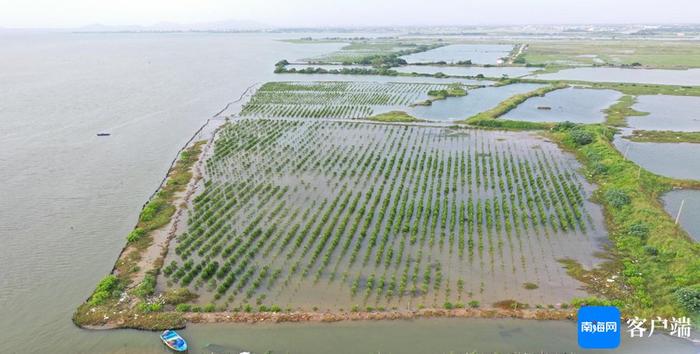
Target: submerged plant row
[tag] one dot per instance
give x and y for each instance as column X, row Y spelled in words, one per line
column 333, row 99
column 306, row 214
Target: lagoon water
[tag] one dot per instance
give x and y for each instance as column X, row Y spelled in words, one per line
column 676, row 160
column 676, row 113
column 493, row 71
column 477, row 100
column 646, row 76
column 477, row 53
column 690, row 214
column 569, row 104
column 69, row 197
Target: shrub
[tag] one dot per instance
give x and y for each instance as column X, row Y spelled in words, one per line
column 563, row 126
column 639, row 229
column 147, row 286
column 178, row 296
column 135, row 235
column 530, row 286
column 105, row 289
column 209, row 308
column 689, row 298
column 651, row 250
column 183, row 307
column 581, row 137
column 473, row 304
column 617, row 197
column 448, row 305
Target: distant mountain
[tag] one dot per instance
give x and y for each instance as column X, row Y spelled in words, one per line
column 219, row 26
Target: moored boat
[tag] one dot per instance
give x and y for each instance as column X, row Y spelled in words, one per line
column 103, row 134
column 173, row 341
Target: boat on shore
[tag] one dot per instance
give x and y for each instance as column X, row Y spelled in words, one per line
column 173, row 341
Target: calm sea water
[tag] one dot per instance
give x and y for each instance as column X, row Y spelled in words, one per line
column 69, row 198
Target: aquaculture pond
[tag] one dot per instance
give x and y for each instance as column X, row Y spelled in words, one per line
column 647, row 76
column 477, row 53
column 677, row 113
column 569, row 104
column 690, row 214
column 476, row 100
column 493, row 71
column 307, row 214
column 676, row 160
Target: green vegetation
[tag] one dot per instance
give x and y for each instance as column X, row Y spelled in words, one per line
column 453, row 90
column 658, row 54
column 376, row 52
column 394, row 117
column 616, row 115
column 664, row 136
column 644, row 283
column 378, row 211
column 337, row 99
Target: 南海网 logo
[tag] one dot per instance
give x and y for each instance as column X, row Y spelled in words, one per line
column 598, row 327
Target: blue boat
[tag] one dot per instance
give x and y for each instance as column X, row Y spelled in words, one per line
column 174, row 341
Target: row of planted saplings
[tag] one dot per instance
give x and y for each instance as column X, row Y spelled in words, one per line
column 386, row 166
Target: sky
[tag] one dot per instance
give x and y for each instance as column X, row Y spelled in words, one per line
column 330, row 13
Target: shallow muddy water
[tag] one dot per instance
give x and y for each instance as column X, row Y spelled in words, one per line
column 569, row 104
column 477, row 53
column 676, row 113
column 690, row 214
column 646, row 76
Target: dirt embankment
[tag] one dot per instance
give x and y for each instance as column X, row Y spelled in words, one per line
column 282, row 317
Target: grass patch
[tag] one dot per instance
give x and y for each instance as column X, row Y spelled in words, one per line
column 664, row 136
column 616, row 115
column 395, row 117
column 530, row 286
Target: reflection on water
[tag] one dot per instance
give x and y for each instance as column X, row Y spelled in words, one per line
column 690, row 214
column 572, row 104
column 648, row 76
column 677, row 113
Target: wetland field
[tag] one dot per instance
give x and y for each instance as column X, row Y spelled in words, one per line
column 385, row 182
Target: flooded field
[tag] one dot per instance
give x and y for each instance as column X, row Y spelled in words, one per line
column 690, row 214
column 646, row 76
column 477, row 53
column 569, row 104
column 334, row 99
column 676, row 160
column 477, row 100
column 677, row 113
column 309, row 214
column 496, row 71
